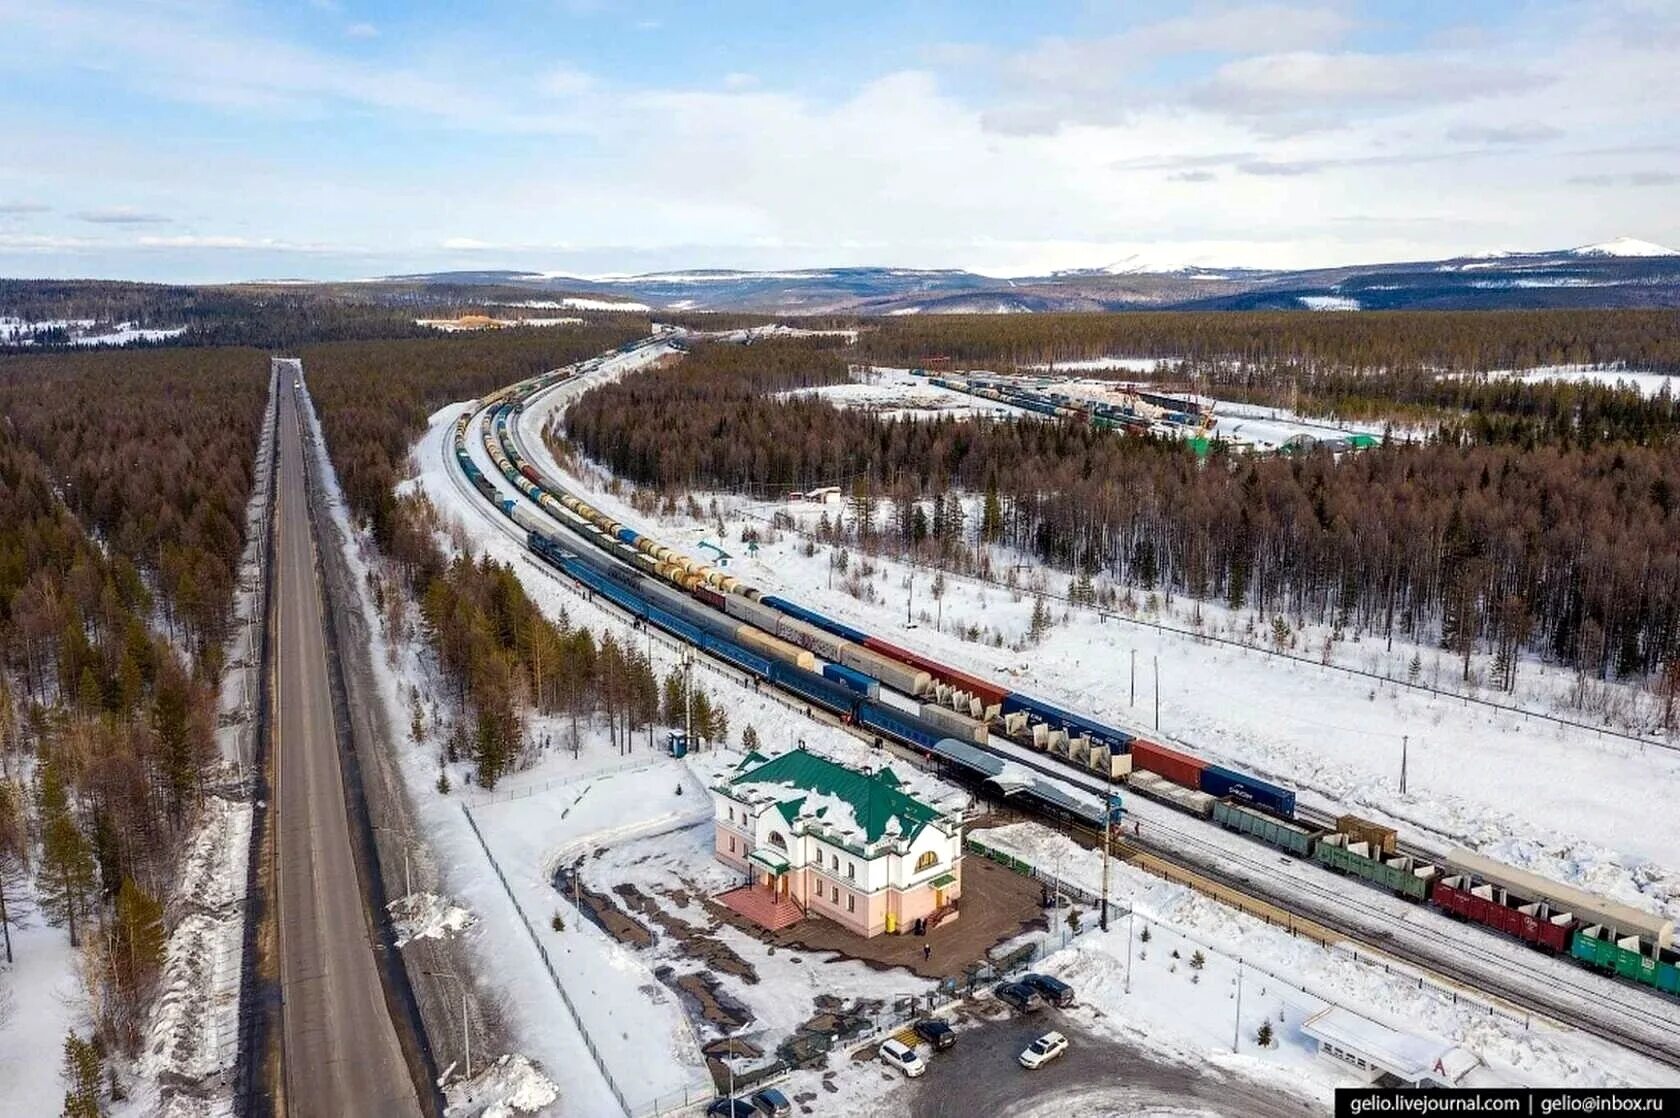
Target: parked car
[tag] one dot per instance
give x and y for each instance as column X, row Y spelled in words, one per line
column 731, row 1108
column 1053, row 990
column 1043, row 1050
column 1020, row 995
column 936, row 1033
column 903, row 1057
column 772, row 1103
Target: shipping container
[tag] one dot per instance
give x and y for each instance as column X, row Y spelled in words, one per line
column 857, row 681
column 813, row 617
column 1180, row 768
column 900, row 677
column 1531, row 921
column 774, row 647
column 709, row 596
column 1363, row 830
column 990, row 693
column 1274, row 832
column 1221, row 782
column 959, row 726
column 1074, row 724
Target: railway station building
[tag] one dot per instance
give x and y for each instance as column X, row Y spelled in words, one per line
column 814, row 837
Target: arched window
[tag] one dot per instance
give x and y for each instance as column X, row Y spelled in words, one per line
column 927, row 861
column 777, row 840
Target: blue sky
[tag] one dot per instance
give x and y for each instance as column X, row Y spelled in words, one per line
column 216, row 140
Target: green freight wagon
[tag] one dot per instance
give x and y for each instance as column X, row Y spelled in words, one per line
column 1274, row 832
column 1597, row 946
column 1403, row 874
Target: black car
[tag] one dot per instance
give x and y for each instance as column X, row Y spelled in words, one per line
column 732, row 1108
column 1052, row 990
column 936, row 1033
column 1020, row 995
column 772, row 1103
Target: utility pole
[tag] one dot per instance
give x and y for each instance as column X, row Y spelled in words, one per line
column 688, row 697
column 909, row 595
column 1131, row 920
column 1108, row 832
column 1134, row 677
column 1157, row 660
column 1236, row 1030
column 1405, row 742
column 466, row 1031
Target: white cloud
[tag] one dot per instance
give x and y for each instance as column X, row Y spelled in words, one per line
column 120, row 215
column 1318, row 83
column 566, row 81
column 361, row 31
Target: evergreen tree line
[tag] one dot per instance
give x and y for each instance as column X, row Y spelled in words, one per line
column 154, row 453
column 106, row 741
column 1565, row 549
column 1460, row 341
column 497, row 651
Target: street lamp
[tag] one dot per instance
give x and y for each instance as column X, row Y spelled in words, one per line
column 466, row 1031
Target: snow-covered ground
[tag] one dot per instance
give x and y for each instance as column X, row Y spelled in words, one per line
column 897, row 394
column 1647, row 383
column 1192, row 1012
column 1328, row 302
column 1569, row 803
column 42, row 998
column 1101, row 364
column 84, row 331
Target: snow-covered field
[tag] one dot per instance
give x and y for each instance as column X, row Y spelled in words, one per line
column 84, row 331
column 41, row 999
column 1647, row 383
column 896, row 394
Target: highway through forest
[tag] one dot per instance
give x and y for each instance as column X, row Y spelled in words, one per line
column 339, row 1052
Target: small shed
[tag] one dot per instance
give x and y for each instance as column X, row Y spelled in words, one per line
column 1387, row 1055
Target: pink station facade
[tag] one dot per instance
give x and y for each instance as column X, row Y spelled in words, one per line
column 838, row 842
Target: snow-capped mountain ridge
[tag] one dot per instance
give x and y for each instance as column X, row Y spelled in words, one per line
column 1624, row 246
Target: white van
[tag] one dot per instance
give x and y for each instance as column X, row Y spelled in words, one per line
column 903, row 1057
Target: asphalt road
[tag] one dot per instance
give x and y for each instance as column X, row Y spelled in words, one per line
column 339, row 1051
column 1096, row 1076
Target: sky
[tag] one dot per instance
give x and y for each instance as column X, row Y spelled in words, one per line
column 213, row 140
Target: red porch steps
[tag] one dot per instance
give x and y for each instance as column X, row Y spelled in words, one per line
column 758, row 905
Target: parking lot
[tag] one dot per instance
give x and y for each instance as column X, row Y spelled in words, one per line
column 1097, row 1075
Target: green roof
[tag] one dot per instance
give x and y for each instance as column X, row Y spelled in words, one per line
column 770, row 860
column 943, row 880
column 874, row 798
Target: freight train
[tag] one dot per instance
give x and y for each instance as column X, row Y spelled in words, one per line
column 776, row 639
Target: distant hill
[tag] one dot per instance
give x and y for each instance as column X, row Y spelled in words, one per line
column 1621, row 273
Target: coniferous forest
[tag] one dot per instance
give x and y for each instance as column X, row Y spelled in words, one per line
column 1500, row 516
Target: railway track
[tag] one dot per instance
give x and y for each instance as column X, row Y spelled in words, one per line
column 1556, row 998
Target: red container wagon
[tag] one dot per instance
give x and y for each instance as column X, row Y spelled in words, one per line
column 989, row 693
column 709, row 596
column 530, row 471
column 1531, row 922
column 1180, row 768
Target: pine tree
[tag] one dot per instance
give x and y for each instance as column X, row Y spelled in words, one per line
column 1264, row 1036
column 991, row 513
column 1198, row 960
column 67, row 866
column 1415, row 668
column 82, row 1075
column 136, row 942
column 14, row 853
column 749, row 738
column 1040, row 623
column 1281, row 632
